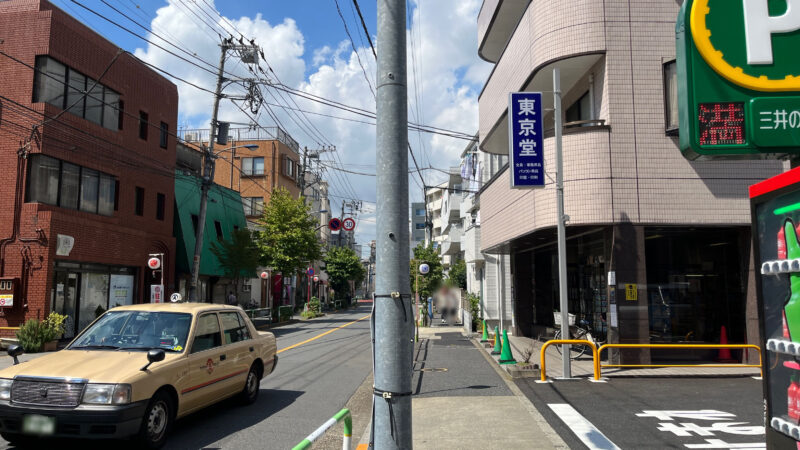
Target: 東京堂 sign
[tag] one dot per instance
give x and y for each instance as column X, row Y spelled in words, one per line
column 738, row 78
column 525, row 139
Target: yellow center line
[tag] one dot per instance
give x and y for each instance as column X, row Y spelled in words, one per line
column 323, row 334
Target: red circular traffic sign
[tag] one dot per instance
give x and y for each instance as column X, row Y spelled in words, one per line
column 335, row 224
column 154, row 263
column 349, row 224
column 264, row 275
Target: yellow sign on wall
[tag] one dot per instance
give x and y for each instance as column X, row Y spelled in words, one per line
column 631, row 292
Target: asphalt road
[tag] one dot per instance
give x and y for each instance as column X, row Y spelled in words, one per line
column 653, row 413
column 312, row 382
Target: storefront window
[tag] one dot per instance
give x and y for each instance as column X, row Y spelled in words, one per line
column 694, row 285
column 94, row 298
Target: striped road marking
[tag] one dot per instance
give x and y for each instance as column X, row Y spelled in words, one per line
column 586, row 432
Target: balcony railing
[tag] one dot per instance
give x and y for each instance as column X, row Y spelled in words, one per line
column 243, row 134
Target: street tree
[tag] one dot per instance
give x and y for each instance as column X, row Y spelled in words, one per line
column 457, row 276
column 343, row 265
column 429, row 283
column 238, row 256
column 287, row 239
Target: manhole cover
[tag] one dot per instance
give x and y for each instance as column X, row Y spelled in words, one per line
column 433, row 369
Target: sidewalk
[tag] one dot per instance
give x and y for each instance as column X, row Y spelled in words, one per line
column 582, row 367
column 462, row 401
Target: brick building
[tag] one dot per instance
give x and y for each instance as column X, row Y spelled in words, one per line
column 254, row 173
column 676, row 233
column 89, row 166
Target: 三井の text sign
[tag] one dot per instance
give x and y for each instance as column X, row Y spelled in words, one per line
column 525, row 139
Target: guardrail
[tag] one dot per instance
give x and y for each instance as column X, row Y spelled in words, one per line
column 595, row 354
column 599, row 367
column 343, row 415
column 9, row 328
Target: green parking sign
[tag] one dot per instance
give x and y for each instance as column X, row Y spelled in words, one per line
column 739, row 78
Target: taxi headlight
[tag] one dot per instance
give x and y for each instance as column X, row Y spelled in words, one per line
column 5, row 388
column 107, row 394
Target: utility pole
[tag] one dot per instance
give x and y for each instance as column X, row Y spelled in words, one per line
column 393, row 317
column 248, row 54
column 208, row 176
column 562, row 238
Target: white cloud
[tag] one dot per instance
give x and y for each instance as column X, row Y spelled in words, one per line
column 449, row 76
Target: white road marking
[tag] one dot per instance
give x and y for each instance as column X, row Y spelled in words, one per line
column 583, row 429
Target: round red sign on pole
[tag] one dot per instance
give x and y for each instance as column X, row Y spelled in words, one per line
column 264, row 275
column 349, row 224
column 154, row 263
column 335, row 224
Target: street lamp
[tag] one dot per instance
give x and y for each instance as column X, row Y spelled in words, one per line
column 207, row 181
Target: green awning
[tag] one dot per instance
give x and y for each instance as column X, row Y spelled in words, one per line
column 224, row 207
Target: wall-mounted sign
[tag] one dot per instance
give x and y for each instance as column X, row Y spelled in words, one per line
column 631, row 292
column 156, row 293
column 154, row 263
column 525, row 139
column 6, row 300
column 64, row 244
column 738, row 78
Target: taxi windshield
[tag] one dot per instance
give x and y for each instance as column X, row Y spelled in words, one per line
column 136, row 330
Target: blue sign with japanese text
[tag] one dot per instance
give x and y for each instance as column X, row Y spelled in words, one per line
column 525, row 139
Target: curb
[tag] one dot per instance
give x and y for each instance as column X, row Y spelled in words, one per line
column 276, row 325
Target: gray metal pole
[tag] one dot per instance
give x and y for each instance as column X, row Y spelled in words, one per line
column 562, row 238
column 208, row 178
column 394, row 317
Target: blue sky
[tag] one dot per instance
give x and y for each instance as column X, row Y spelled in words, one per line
column 305, row 43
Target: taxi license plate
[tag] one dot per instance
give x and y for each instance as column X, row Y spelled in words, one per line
column 36, row 424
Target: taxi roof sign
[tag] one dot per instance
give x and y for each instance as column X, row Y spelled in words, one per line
column 739, row 78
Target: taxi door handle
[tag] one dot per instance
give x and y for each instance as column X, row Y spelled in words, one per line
column 251, row 349
column 222, row 357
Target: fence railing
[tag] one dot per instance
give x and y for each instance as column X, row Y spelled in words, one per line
column 599, row 367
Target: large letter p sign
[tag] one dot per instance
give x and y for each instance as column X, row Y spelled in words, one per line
column 760, row 26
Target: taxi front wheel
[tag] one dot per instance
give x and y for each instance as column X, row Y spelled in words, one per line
column 157, row 421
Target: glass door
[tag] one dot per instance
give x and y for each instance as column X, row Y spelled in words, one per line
column 66, row 300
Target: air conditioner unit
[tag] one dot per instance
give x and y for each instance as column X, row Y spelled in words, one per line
column 191, row 137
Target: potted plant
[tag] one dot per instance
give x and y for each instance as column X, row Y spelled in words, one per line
column 54, row 328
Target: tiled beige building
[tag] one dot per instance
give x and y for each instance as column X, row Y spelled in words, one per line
column 676, row 229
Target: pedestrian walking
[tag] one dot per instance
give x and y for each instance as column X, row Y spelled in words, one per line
column 232, row 299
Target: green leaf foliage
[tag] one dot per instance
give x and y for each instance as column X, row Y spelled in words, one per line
column 238, row 256
column 343, row 265
column 287, row 240
column 457, row 277
column 429, row 283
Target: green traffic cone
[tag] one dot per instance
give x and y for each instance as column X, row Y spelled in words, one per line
column 497, row 345
column 485, row 337
column 506, row 357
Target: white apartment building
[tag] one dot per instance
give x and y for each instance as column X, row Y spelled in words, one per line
column 658, row 246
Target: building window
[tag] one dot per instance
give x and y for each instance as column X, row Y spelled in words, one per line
column 121, row 113
column 161, row 200
column 253, row 206
column 253, row 166
column 139, row 201
column 289, row 167
column 143, row 119
column 580, row 110
column 419, row 212
column 419, row 226
column 116, row 195
column 70, row 185
column 162, row 139
column 66, row 88
column 218, row 229
column 107, row 195
column 60, row 183
column 671, row 96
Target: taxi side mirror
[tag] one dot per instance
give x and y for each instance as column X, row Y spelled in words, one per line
column 154, row 355
column 14, row 351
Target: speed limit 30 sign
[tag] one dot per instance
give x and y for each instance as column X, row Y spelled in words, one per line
column 349, row 224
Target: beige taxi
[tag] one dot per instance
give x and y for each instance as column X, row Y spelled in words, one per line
column 133, row 371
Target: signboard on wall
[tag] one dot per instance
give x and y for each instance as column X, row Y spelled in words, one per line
column 6, row 300
column 156, row 293
column 738, row 83
column 64, row 245
column 525, row 139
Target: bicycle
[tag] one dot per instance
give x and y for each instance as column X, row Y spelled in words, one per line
column 582, row 332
